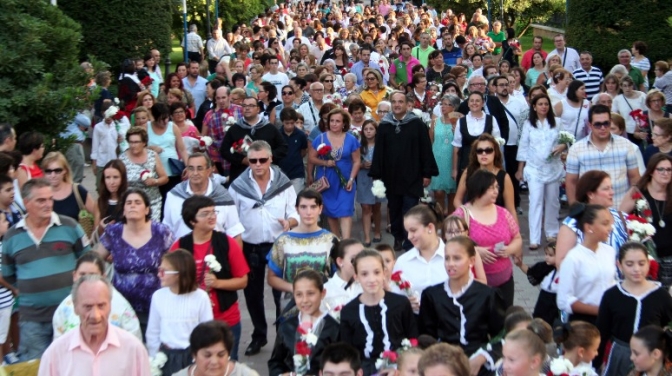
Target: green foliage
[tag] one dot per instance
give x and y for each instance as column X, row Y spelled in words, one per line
column 118, row 29
column 604, row 27
column 516, row 12
column 41, row 83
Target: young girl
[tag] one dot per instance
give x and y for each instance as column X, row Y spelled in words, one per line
column 580, row 341
column 490, row 356
column 175, row 310
column 308, row 294
column 588, row 270
column 524, row 353
column 342, row 288
column 390, row 259
column 470, row 316
column 543, row 274
column 456, row 226
column 370, row 203
column 443, row 359
column 632, row 304
column 377, row 320
column 407, row 362
column 651, row 349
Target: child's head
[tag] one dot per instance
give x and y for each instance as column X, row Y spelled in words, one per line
column 650, row 346
column 369, row 129
column 443, row 359
column 407, row 362
column 523, row 353
column 178, row 269
column 633, row 262
column 454, row 226
column 516, row 318
column 340, row 359
column 578, row 337
column 459, row 257
column 288, row 116
column 545, row 332
column 389, row 257
column 549, row 253
column 420, row 223
column 6, row 191
column 595, row 221
column 141, row 115
column 308, row 290
column 369, row 270
column 342, row 254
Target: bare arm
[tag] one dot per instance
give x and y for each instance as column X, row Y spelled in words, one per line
column 92, row 208
column 633, row 176
column 179, row 144
column 239, row 241
column 232, row 284
column 628, row 204
column 579, row 307
column 570, row 186
column 461, row 189
column 566, row 240
column 479, row 270
column 558, row 109
column 278, row 283
column 509, row 202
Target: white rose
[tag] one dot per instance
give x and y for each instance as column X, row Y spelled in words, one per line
column 298, row 360
column 379, row 363
column 207, row 140
column 649, row 229
column 311, row 339
column 635, row 238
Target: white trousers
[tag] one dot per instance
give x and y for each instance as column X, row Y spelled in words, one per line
column 543, row 196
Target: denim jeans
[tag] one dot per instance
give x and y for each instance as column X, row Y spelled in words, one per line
column 236, row 330
column 35, row 338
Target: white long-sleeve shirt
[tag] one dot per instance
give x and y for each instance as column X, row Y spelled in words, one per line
column 104, row 143
column 172, row 318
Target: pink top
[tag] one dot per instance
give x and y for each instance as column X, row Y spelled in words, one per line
column 121, row 352
column 192, row 131
column 503, row 230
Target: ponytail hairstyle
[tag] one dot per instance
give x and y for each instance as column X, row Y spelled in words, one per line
column 531, row 342
column 654, row 337
column 545, row 332
column 585, row 214
column 576, row 334
column 338, row 248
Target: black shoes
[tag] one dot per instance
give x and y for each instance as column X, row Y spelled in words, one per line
column 255, row 347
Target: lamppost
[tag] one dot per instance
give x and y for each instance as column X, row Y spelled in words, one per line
column 207, row 18
column 184, row 15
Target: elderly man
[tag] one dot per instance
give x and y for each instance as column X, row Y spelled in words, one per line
column 268, row 199
column 97, row 348
column 590, row 75
column 199, row 168
column 311, row 109
column 217, row 47
column 75, row 154
column 624, row 58
column 568, row 56
column 604, row 99
column 255, row 127
column 38, row 256
column 214, row 125
column 298, row 34
column 194, row 45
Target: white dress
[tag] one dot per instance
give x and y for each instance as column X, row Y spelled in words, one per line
column 570, row 115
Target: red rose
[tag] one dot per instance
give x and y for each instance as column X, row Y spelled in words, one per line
column 147, row 81
column 302, row 348
column 390, row 355
column 414, row 342
column 324, row 151
column 304, row 328
column 647, row 212
column 636, row 218
column 119, row 115
column 396, row 276
column 405, row 285
column 201, row 143
column 637, row 196
column 653, row 269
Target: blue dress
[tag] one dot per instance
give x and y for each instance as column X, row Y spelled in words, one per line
column 338, row 202
column 443, row 152
column 365, row 182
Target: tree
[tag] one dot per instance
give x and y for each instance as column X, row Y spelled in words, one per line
column 604, row 27
column 118, row 29
column 41, row 83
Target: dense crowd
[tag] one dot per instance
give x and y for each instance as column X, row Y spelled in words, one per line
column 244, row 168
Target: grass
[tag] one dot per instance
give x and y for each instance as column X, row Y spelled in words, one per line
column 176, row 55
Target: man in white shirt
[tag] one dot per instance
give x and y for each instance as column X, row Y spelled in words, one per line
column 516, row 110
column 194, row 45
column 569, row 57
column 268, row 199
column 218, row 47
column 298, row 34
column 278, row 79
column 311, row 109
column 199, row 168
column 590, row 75
column 320, row 46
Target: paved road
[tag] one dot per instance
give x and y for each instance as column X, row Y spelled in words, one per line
column 525, row 294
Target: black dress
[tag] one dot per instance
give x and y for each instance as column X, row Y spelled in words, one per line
column 281, row 360
column 543, row 275
column 469, row 320
column 374, row 329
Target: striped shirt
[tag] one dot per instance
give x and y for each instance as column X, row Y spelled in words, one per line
column 42, row 268
column 617, row 158
column 592, row 79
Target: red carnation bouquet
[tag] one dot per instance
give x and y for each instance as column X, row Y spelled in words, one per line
column 324, row 152
column 304, row 347
column 403, row 284
column 388, row 358
column 641, row 124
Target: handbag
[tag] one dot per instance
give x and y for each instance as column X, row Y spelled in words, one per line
column 176, row 166
column 84, row 218
column 321, row 184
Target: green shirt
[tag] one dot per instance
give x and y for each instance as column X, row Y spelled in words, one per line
column 422, row 55
column 636, row 76
column 497, row 38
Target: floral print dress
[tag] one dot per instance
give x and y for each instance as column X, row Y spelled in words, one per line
column 133, row 171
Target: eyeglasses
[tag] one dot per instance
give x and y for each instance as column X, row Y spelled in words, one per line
column 208, row 214
column 249, row 106
column 54, row 171
column 196, row 168
column 330, row 81
column 603, row 124
column 163, row 272
column 666, row 170
column 383, row 112
column 485, row 151
column 455, row 232
column 287, row 93
column 477, row 84
column 258, row 160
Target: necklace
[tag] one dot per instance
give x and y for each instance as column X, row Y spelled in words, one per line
column 661, row 222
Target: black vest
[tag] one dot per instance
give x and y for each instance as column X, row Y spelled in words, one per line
column 468, row 140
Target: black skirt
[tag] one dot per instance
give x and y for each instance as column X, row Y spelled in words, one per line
column 178, row 359
column 546, row 307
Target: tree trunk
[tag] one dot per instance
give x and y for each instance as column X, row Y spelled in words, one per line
column 527, row 26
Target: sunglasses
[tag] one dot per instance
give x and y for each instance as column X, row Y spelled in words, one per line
column 287, row 93
column 603, row 124
column 485, row 151
column 54, row 171
column 329, row 81
column 258, row 160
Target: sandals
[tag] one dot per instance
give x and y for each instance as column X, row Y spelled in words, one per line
column 377, row 239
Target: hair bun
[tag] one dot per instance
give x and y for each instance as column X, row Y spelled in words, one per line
column 577, row 209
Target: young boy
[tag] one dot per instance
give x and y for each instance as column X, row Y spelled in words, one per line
column 340, row 359
column 10, row 214
column 297, row 147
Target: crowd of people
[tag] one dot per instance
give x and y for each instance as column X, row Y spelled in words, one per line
column 244, row 167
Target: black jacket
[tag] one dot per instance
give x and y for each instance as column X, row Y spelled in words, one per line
column 496, row 109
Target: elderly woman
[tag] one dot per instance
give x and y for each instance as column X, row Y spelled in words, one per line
column 349, row 85
column 664, row 81
column 661, row 135
column 441, row 134
column 383, row 108
column 655, row 102
column 631, row 100
column 302, row 69
column 619, row 70
column 69, row 199
column 330, row 66
column 211, row 344
column 254, row 85
column 374, row 90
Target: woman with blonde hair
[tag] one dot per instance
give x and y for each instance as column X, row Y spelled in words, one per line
column 374, row 90
column 69, row 198
column 561, row 80
column 254, row 83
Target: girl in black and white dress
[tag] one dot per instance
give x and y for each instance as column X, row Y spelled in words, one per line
column 631, row 304
column 377, row 320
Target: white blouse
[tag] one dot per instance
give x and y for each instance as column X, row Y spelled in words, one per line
column 535, row 145
column 624, row 106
